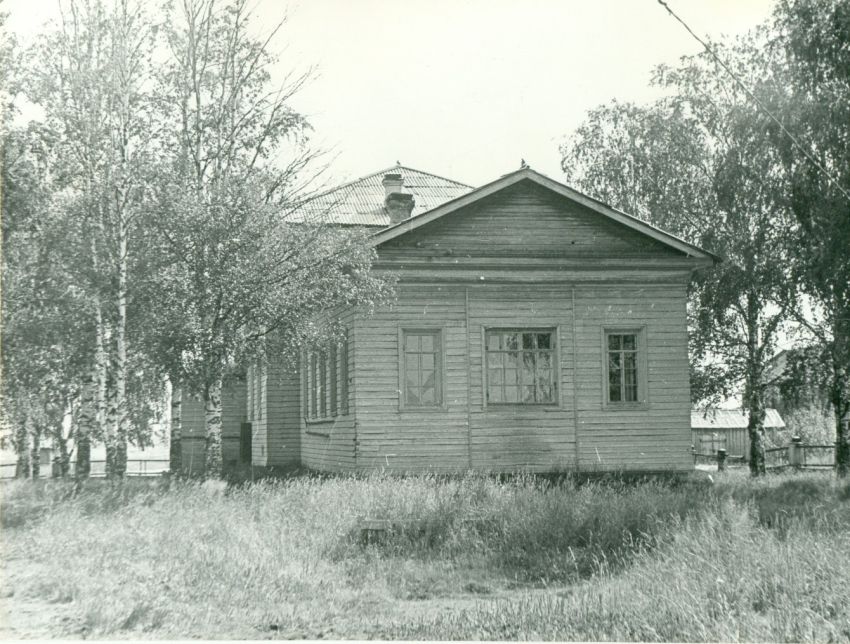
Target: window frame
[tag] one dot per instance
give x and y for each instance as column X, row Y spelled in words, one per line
column 439, row 368
column 640, row 334
column 325, row 401
column 555, row 331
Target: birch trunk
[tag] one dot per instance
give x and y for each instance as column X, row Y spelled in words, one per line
column 841, row 397
column 36, row 447
column 212, row 408
column 175, row 455
column 22, row 445
column 121, row 421
column 753, row 391
column 84, row 425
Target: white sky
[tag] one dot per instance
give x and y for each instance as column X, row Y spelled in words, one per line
column 466, row 88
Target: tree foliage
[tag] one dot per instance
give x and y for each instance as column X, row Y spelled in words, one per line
column 815, row 107
column 695, row 163
column 240, row 267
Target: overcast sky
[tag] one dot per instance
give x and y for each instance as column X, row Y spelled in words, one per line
column 467, row 88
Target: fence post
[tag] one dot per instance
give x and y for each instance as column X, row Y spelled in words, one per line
column 721, row 459
column 795, row 452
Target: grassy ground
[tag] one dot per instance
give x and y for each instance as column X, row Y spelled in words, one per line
column 467, row 558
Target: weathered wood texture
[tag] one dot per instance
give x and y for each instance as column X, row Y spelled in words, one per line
column 513, row 261
column 652, row 436
column 232, row 414
column 522, row 259
column 330, row 444
column 193, row 432
column 736, row 441
column 524, row 221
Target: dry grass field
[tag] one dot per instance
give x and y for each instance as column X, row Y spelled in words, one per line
column 470, row 557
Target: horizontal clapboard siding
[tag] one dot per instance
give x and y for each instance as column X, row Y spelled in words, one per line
column 656, row 436
column 525, row 220
column 521, row 437
column 406, row 440
column 522, row 259
column 232, row 415
column 330, row 445
column 283, row 435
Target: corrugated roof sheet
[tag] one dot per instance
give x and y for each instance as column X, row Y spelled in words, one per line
column 731, row 419
column 361, row 202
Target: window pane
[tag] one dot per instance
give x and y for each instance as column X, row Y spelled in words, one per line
column 614, row 393
column 426, row 343
column 494, row 377
column 511, row 394
column 494, row 341
column 494, row 394
column 614, row 342
column 630, row 393
column 412, row 394
column 427, row 360
column 511, row 341
column 495, row 359
column 629, row 342
column 511, row 360
column 427, row 397
column 528, row 340
column 411, row 342
column 544, row 340
column 511, row 376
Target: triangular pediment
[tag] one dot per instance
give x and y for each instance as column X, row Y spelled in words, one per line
column 528, row 214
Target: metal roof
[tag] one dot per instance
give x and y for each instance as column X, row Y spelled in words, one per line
column 361, row 202
column 731, row 419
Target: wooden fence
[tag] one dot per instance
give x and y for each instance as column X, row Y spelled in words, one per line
column 135, row 467
column 795, row 455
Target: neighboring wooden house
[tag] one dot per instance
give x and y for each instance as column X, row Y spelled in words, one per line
column 535, row 328
column 713, row 429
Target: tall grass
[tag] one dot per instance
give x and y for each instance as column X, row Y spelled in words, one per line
column 463, row 558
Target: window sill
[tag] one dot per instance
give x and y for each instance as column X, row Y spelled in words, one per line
column 641, row 406
column 426, row 410
column 521, row 408
column 316, row 432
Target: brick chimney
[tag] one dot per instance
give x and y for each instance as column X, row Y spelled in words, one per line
column 399, row 205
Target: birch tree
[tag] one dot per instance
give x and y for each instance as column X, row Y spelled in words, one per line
column 697, row 163
column 814, row 105
column 91, row 76
column 240, row 267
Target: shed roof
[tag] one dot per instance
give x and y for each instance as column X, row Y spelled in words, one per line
column 716, row 419
column 361, row 202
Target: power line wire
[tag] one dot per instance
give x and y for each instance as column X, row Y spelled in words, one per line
column 764, row 108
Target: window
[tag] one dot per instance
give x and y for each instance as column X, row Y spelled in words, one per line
column 624, row 380
column 521, row 367
column 324, row 379
column 422, row 365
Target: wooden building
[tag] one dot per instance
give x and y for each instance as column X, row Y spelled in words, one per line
column 713, row 429
column 535, row 329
